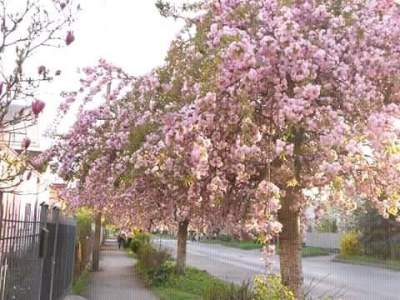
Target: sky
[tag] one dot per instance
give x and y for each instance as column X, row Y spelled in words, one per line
column 128, row 33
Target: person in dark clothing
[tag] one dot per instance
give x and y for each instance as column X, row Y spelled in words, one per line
column 120, row 240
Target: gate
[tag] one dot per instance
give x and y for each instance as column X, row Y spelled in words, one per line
column 36, row 252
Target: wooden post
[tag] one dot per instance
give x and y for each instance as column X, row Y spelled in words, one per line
column 97, row 244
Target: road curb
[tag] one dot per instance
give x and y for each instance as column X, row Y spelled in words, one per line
column 74, row 297
column 367, row 264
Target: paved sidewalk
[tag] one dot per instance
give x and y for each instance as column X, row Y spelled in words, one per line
column 116, row 279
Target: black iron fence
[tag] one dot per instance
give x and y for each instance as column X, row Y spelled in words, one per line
column 36, row 252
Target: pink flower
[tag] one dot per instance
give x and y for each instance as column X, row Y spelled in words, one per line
column 280, row 146
column 253, row 75
column 26, row 142
column 70, row 38
column 289, row 149
column 42, row 70
column 275, row 227
column 37, row 107
column 269, row 250
column 195, row 155
column 311, row 92
column 214, row 28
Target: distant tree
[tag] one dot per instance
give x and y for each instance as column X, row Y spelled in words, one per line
column 327, row 225
column 379, row 236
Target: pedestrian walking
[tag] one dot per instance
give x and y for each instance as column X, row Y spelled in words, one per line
column 120, row 240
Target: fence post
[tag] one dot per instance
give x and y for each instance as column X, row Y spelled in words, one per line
column 56, row 211
column 73, row 259
column 43, row 226
column 2, row 275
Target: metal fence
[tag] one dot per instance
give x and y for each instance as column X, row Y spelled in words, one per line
column 36, row 252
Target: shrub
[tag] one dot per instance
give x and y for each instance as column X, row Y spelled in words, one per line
column 138, row 240
column 153, row 265
column 83, row 223
column 162, row 274
column 271, row 288
column 80, row 285
column 127, row 243
column 264, row 288
column 135, row 245
column 229, row 292
column 379, row 237
column 83, row 233
column 350, row 244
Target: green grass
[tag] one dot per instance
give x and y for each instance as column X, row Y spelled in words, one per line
column 251, row 245
column 244, row 245
column 80, row 285
column 314, row 251
column 190, row 286
column 370, row 261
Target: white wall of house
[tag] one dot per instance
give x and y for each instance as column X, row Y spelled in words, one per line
column 325, row 240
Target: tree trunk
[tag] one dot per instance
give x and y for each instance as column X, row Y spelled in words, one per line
column 97, row 244
column 181, row 249
column 78, row 263
column 290, row 246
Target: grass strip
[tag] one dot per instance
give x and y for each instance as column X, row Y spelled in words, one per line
column 190, row 286
column 369, row 261
column 244, row 245
column 252, row 245
column 80, row 285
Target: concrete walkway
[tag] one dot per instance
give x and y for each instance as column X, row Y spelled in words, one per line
column 116, row 279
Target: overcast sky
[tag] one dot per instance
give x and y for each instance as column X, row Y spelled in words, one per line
column 128, row 33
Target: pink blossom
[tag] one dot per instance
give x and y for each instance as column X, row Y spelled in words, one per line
column 195, row 155
column 25, row 143
column 289, row 149
column 312, row 92
column 253, row 75
column 70, row 38
column 279, row 147
column 42, row 70
column 37, row 107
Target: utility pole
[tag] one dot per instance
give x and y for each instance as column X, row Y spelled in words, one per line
column 97, row 230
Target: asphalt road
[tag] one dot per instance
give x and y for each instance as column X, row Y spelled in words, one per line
column 322, row 276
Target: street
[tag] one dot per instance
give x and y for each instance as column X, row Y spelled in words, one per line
column 322, row 276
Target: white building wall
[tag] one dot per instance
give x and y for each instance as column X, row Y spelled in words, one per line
column 323, row 240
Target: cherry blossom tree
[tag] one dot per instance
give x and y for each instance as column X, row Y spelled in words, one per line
column 306, row 96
